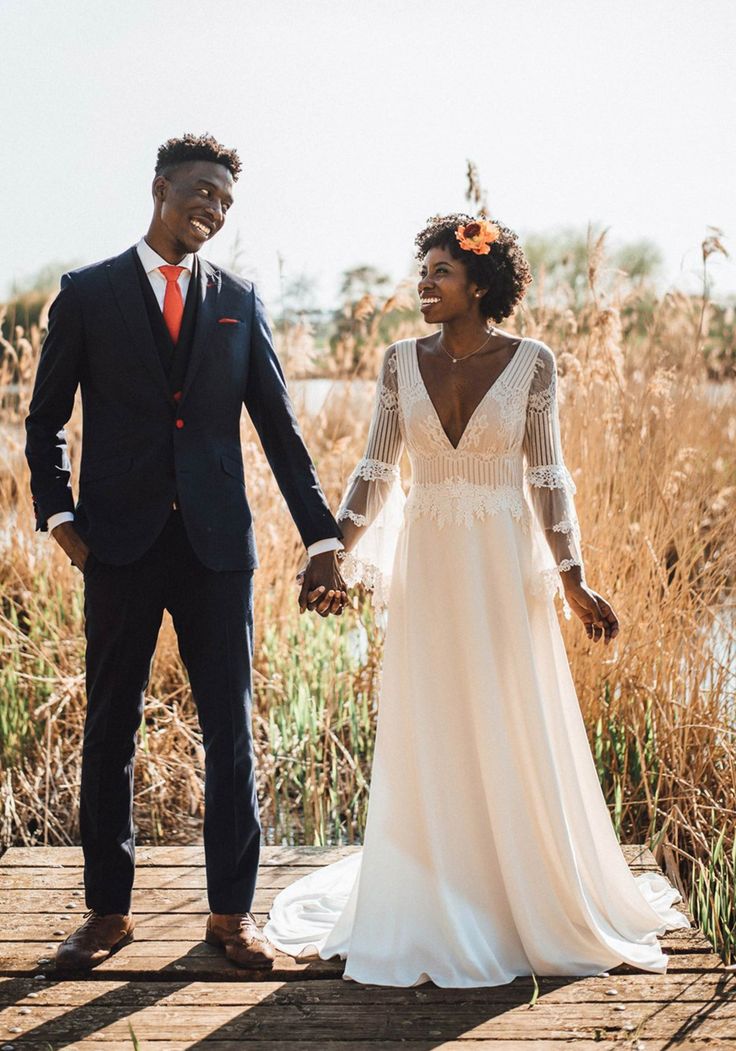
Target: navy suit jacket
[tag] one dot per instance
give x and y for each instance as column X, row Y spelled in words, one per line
column 139, row 449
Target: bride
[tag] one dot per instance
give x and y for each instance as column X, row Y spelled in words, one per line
column 489, row 851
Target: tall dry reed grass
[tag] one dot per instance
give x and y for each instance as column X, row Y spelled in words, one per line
column 651, row 446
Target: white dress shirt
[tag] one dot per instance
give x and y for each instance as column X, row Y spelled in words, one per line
column 152, row 262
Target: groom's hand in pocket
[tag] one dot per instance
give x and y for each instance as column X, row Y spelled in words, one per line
column 71, row 544
column 322, row 586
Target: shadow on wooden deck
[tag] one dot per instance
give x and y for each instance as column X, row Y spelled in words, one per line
column 178, row 993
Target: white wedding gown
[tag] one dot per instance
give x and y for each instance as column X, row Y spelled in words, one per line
column 489, row 850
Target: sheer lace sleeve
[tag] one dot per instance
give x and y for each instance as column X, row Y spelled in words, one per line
column 550, row 484
column 371, row 511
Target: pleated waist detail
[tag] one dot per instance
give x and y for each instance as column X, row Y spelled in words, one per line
column 463, row 490
column 493, row 472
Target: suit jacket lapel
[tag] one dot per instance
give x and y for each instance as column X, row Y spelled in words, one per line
column 209, row 280
column 127, row 290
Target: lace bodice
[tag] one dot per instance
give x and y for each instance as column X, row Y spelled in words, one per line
column 509, row 459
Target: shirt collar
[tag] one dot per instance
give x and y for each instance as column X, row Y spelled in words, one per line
column 152, row 260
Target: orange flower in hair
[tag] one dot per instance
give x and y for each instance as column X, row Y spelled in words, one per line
column 477, row 236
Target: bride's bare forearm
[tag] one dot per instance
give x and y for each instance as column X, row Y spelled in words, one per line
column 350, row 533
column 572, row 577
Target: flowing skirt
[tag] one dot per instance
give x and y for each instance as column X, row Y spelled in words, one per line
column 489, row 850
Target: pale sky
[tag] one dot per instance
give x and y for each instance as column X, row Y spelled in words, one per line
column 354, row 122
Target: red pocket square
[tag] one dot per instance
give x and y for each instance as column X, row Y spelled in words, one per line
column 228, row 321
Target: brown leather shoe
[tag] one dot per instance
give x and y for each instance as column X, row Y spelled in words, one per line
column 243, row 942
column 97, row 938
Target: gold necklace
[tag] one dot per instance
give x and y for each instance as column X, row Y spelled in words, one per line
column 455, row 360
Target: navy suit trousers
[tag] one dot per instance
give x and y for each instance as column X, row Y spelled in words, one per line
column 213, row 617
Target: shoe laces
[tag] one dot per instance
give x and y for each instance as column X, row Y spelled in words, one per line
column 93, row 921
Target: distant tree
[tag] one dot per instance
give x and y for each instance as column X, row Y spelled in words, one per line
column 299, row 298
column 561, row 259
column 299, row 323
column 640, row 260
column 370, row 310
column 29, row 295
column 362, row 281
column 44, row 280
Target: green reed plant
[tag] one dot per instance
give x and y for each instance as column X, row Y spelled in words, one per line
column 713, row 895
column 626, row 762
column 315, row 699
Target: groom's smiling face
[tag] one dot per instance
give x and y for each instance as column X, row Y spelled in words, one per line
column 191, row 202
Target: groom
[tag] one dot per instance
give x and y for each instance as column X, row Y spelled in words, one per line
column 166, row 349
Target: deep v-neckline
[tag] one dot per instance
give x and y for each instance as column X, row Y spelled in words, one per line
column 473, row 414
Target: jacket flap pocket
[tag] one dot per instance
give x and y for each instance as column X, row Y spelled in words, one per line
column 231, row 465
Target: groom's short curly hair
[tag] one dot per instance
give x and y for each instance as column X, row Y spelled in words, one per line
column 505, row 271
column 196, row 148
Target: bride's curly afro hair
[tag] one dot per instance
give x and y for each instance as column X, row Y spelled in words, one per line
column 504, row 271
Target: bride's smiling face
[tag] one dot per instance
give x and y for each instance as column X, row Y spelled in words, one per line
column 445, row 293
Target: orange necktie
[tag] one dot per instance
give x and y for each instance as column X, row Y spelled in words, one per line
column 173, row 302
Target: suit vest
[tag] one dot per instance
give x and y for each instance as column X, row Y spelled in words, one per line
column 174, row 359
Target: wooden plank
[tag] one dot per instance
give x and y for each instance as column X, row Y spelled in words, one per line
column 92, row 1043
column 682, row 941
column 155, row 926
column 175, row 959
column 70, row 901
column 59, row 857
column 170, row 1016
column 158, row 1043
column 185, row 929
column 97, row 1041
column 637, row 855
column 29, row 952
column 679, row 962
column 163, row 926
column 168, row 899
column 636, row 988
column 190, row 877
column 184, row 877
column 183, row 959
column 453, row 1021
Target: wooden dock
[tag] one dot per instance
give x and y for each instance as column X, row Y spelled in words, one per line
column 175, row 993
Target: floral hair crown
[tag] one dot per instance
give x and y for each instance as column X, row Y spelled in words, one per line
column 477, row 236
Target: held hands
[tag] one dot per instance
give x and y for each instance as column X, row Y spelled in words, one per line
column 322, row 586
column 71, row 543
column 596, row 614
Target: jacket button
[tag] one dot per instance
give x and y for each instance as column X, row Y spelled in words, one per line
column 180, row 424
